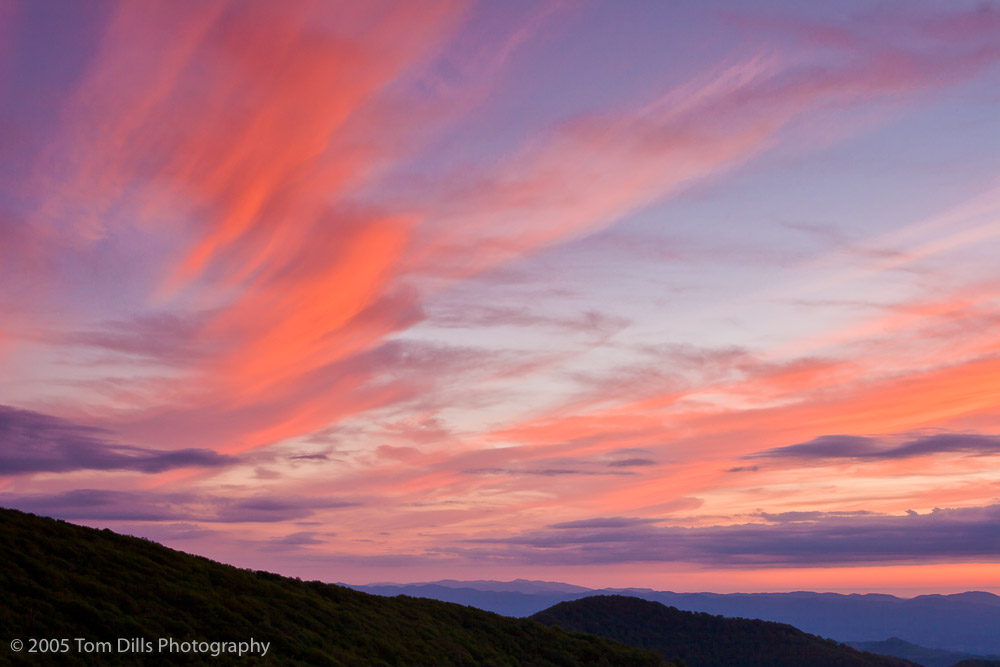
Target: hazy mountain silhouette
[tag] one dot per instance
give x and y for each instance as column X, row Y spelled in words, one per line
column 531, row 586
column 928, row 657
column 508, row 603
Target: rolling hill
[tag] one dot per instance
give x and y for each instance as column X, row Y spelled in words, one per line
column 702, row 640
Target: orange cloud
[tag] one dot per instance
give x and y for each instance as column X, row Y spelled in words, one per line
column 226, row 131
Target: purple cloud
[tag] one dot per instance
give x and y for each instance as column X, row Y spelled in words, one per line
column 817, row 539
column 875, row 449
column 968, row 443
column 33, row 442
column 783, row 517
column 310, row 457
column 108, row 505
column 609, row 522
column 824, row 447
column 544, row 472
column 631, row 463
column 163, row 337
column 294, row 541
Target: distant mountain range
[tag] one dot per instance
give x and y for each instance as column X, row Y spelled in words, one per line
column 530, row 586
column 964, row 622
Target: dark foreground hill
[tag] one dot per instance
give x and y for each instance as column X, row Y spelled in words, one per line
column 61, row 581
column 702, row 640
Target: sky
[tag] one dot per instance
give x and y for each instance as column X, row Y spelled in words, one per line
column 680, row 295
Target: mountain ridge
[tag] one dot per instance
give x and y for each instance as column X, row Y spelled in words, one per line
column 960, row 622
column 703, row 640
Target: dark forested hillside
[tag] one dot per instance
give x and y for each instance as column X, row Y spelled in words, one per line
column 702, row 640
column 65, row 581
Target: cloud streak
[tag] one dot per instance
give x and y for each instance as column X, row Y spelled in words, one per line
column 110, row 505
column 861, row 448
column 809, row 539
column 31, row 442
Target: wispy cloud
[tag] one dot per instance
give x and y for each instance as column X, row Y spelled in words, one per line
column 811, row 539
column 109, row 505
column 609, row 522
column 878, row 449
column 166, row 338
column 293, row 541
column 544, row 472
column 31, row 442
column 631, row 463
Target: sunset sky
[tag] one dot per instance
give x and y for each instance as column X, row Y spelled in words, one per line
column 683, row 295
